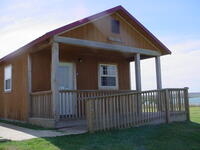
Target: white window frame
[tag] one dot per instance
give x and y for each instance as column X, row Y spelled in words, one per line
column 116, row 87
column 10, row 89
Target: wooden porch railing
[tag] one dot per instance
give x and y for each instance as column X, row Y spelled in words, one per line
column 41, row 104
column 105, row 110
column 73, row 102
column 137, row 108
column 178, row 104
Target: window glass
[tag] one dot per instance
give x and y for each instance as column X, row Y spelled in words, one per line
column 115, row 25
column 108, row 76
column 8, row 78
column 108, row 81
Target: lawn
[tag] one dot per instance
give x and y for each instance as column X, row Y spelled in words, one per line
column 175, row 136
column 195, row 114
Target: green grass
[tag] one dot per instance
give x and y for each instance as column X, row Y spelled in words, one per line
column 25, row 125
column 175, row 136
column 195, row 114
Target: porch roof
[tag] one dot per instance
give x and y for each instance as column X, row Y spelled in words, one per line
column 118, row 9
column 77, row 50
column 105, row 46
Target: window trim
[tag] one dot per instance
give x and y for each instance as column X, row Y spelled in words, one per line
column 116, row 76
column 10, row 89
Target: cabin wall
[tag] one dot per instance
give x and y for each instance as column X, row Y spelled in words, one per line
column 41, row 70
column 100, row 31
column 14, row 104
column 86, row 71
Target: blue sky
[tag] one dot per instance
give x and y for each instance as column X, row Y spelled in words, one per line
column 175, row 23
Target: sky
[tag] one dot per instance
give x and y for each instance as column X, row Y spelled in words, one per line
column 175, row 23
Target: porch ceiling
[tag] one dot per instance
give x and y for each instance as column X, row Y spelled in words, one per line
column 94, row 46
column 90, row 51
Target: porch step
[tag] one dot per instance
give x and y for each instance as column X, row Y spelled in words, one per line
column 71, row 123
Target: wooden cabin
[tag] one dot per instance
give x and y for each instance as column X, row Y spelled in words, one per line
column 81, row 71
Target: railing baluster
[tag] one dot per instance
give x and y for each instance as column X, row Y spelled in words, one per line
column 39, row 104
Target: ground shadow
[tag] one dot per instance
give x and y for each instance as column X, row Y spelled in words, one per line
column 176, row 136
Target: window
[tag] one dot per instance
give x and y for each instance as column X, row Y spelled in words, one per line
column 115, row 25
column 108, row 76
column 8, row 78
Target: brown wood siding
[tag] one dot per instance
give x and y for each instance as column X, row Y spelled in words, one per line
column 14, row 104
column 41, row 70
column 100, row 30
column 2, row 107
column 86, row 71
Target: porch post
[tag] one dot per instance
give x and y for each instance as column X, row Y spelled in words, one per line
column 158, row 72
column 138, row 72
column 54, row 80
column 29, row 64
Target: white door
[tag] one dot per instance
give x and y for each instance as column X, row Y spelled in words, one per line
column 66, row 82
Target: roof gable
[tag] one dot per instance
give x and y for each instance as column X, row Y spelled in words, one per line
column 100, row 30
column 124, row 13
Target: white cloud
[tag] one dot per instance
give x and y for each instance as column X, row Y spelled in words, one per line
column 20, row 34
column 148, row 75
column 181, row 69
column 187, row 46
column 16, row 30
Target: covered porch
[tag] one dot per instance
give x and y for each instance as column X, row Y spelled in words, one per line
column 101, row 109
